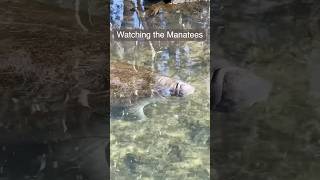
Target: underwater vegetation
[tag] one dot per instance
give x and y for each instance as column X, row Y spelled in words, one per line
column 172, row 142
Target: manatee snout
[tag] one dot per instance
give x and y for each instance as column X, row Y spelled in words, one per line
column 170, row 87
column 183, row 89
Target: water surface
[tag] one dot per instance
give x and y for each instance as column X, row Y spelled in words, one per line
column 173, row 142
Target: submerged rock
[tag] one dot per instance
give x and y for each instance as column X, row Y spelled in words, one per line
column 134, row 87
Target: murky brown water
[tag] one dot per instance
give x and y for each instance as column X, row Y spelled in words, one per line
column 51, row 71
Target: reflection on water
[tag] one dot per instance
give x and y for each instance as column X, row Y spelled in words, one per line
column 119, row 12
column 117, row 17
column 173, row 142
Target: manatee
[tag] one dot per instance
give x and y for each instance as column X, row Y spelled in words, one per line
column 235, row 88
column 133, row 87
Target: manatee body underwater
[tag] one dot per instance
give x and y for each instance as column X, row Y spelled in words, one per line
column 133, row 87
column 235, row 88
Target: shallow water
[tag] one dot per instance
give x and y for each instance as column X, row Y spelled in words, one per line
column 173, row 142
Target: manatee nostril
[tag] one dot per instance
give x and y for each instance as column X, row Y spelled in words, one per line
column 177, row 90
